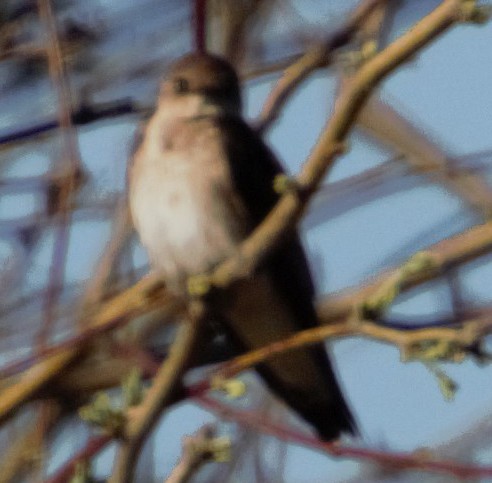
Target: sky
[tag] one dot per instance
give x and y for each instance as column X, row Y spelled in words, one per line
column 445, row 90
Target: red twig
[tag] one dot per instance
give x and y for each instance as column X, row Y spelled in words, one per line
column 70, row 151
column 200, row 25
column 401, row 461
column 84, row 114
column 94, row 446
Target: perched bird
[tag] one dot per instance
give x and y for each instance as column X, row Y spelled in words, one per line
column 200, row 181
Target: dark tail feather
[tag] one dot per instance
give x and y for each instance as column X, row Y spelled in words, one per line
column 325, row 410
column 331, row 415
column 257, row 314
column 331, row 421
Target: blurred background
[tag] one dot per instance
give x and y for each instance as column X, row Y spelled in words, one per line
column 76, row 81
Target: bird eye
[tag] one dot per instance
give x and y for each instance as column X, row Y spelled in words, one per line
column 181, row 85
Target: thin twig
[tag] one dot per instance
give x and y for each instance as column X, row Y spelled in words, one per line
column 423, row 155
column 164, row 388
column 196, row 452
column 122, row 229
column 200, row 25
column 72, row 157
column 84, row 114
column 92, row 448
column 463, row 336
column 400, row 460
column 290, row 207
column 140, row 298
column 23, row 453
column 453, row 251
column 311, row 60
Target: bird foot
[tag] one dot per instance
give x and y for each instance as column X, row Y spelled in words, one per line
column 283, row 184
column 233, row 388
column 199, row 285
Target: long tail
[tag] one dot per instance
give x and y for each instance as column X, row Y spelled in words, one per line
column 303, row 378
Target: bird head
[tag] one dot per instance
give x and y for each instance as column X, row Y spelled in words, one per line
column 206, row 77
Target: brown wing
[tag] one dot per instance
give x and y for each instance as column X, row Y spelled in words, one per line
column 279, row 300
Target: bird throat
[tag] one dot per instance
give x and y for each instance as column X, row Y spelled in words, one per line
column 182, row 197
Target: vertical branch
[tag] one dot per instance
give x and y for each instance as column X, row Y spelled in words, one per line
column 16, row 462
column 141, row 419
column 197, row 450
column 121, row 231
column 200, row 25
column 238, row 17
column 64, row 191
column 70, row 153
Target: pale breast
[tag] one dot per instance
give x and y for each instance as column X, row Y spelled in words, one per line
column 183, row 203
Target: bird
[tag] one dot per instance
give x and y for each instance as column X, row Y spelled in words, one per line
column 199, row 182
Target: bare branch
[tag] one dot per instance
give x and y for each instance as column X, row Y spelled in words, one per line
column 93, row 447
column 197, row 450
column 447, row 253
column 56, row 69
column 463, row 336
column 310, row 61
column 422, row 462
column 142, row 297
column 424, row 156
column 23, row 453
column 290, row 207
column 165, row 386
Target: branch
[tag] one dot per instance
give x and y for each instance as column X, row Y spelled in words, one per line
column 378, row 295
column 24, row 451
column 92, row 448
column 290, row 207
column 163, row 390
column 198, row 449
column 85, row 114
column 441, row 256
column 72, row 157
column 462, row 337
column 383, row 122
column 399, row 460
column 93, row 293
column 200, row 25
column 143, row 296
column 317, row 57
column 121, row 231
column 146, row 294
column 236, row 22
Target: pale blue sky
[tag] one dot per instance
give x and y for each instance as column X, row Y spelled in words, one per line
column 446, row 91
